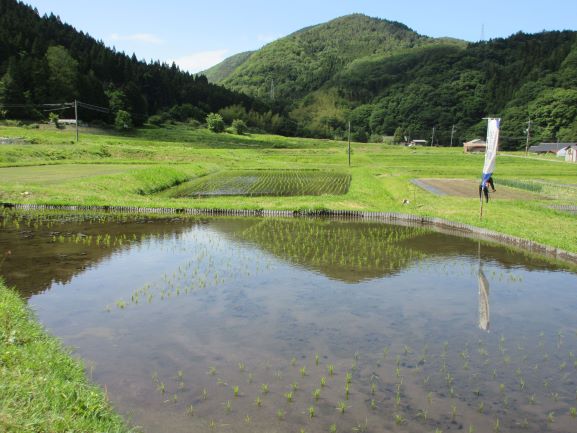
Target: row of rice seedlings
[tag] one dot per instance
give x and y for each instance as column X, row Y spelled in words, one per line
column 296, row 393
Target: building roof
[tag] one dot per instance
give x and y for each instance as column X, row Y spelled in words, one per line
column 550, row 147
column 475, row 142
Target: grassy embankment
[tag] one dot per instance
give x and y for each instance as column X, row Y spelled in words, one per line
column 42, row 388
column 109, row 169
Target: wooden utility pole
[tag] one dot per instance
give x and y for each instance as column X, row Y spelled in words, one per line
column 528, row 137
column 349, row 143
column 433, row 136
column 452, row 134
column 76, row 117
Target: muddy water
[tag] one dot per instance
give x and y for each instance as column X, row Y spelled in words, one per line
column 215, row 324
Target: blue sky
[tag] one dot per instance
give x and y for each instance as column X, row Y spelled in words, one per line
column 197, row 34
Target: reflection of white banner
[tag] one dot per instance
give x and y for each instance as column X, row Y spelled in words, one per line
column 484, row 315
column 492, row 147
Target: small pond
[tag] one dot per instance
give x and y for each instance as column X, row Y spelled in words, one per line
column 312, row 325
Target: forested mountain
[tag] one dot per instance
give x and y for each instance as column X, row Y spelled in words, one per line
column 385, row 78
column 43, row 60
column 220, row 72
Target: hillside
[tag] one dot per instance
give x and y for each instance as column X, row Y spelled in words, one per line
column 220, row 72
column 43, row 60
column 386, row 78
column 306, row 59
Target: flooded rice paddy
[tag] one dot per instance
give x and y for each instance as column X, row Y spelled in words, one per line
column 302, row 325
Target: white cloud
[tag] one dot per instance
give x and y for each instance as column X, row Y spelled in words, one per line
column 147, row 38
column 201, row 60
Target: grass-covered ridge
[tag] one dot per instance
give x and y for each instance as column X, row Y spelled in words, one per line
column 42, row 388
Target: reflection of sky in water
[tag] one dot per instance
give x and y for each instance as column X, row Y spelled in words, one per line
column 260, row 308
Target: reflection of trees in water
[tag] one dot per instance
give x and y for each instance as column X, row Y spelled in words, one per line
column 339, row 249
column 49, row 248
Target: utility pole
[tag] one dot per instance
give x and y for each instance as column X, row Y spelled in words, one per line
column 349, row 143
column 76, row 117
column 433, row 137
column 528, row 137
column 452, row 134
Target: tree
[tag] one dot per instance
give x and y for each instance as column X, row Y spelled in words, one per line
column 63, row 70
column 398, row 138
column 123, row 120
column 214, row 122
column 54, row 118
column 239, row 126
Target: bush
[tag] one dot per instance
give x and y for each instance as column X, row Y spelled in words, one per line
column 239, row 127
column 123, row 120
column 214, row 122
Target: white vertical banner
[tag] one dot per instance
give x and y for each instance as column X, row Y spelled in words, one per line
column 492, row 147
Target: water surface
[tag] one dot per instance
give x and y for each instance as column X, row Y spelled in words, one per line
column 425, row 330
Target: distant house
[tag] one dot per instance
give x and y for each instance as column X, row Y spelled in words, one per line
column 571, row 153
column 418, row 143
column 558, row 149
column 476, row 145
column 67, row 121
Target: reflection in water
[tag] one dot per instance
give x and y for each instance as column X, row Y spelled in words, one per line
column 214, row 323
column 336, row 248
column 483, row 301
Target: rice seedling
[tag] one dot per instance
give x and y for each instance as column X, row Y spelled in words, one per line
column 348, row 377
column 264, row 388
column 573, row 412
column 551, row 417
column 293, row 361
column 423, row 415
column 250, row 378
column 373, row 404
column 289, row 396
column 303, row 371
column 331, row 369
column 190, row 410
column 294, row 386
column 317, row 394
column 347, row 391
column 228, row 406
column 236, row 391
column 258, row 401
column 311, row 411
column 333, row 428
column 161, row 388
column 481, row 407
column 471, row 429
column 453, row 412
column 399, row 419
column 497, row 426
column 341, row 406
column 247, row 419
column 430, row 398
column 373, row 388
column 241, row 367
column 204, row 394
column 212, row 424
column 323, row 381
column 317, row 358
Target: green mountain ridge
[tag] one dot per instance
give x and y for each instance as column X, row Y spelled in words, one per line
column 385, row 78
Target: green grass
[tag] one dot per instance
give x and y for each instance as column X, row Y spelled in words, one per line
column 112, row 169
column 42, row 388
